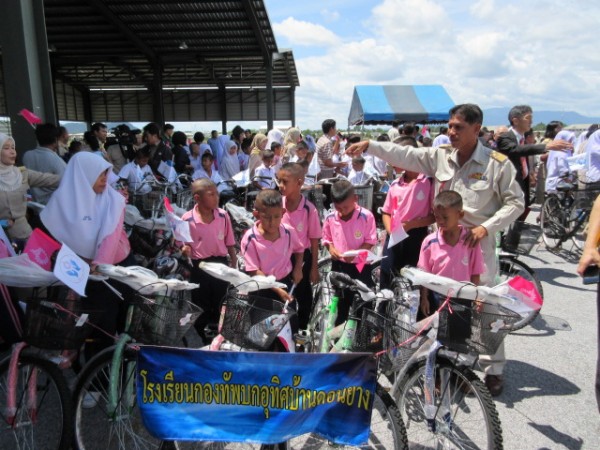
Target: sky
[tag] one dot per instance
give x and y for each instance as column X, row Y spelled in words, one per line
column 490, row 52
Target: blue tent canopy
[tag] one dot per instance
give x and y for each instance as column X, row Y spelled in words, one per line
column 373, row 105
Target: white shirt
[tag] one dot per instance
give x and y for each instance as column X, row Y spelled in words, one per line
column 135, row 176
column 265, row 176
column 214, row 177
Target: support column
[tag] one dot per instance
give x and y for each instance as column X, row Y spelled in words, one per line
column 157, row 96
column 223, row 109
column 269, row 75
column 27, row 73
column 293, row 105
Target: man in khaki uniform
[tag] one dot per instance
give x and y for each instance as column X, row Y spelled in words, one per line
column 483, row 177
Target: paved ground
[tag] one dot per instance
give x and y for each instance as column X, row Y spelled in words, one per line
column 549, row 400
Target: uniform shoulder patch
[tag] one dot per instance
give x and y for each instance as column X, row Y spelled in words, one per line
column 500, row 157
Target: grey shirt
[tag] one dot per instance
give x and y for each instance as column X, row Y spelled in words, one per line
column 44, row 160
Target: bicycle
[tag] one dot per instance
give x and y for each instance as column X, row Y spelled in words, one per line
column 35, row 400
column 519, row 239
column 106, row 412
column 387, row 428
column 565, row 214
column 441, row 400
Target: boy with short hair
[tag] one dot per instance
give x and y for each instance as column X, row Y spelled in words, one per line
column 445, row 252
column 301, row 215
column 264, row 175
column 212, row 241
column 350, row 227
column 137, row 171
column 357, row 175
column 267, row 247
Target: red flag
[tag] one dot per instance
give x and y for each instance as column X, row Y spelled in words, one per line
column 40, row 247
column 30, row 117
column 168, row 205
column 361, row 260
column 425, row 131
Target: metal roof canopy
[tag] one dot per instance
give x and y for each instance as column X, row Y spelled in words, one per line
column 141, row 60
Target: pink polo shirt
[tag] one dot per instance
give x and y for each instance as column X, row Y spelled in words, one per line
column 115, row 247
column 270, row 257
column 209, row 239
column 458, row 263
column 305, row 220
column 350, row 234
column 409, row 200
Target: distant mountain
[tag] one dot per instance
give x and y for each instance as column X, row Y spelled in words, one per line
column 499, row 116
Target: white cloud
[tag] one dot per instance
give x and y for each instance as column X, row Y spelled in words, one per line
column 491, row 53
column 330, row 16
column 298, row 32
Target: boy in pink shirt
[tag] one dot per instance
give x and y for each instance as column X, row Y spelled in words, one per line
column 407, row 205
column 302, row 216
column 350, row 227
column 445, row 252
column 268, row 246
column 212, row 241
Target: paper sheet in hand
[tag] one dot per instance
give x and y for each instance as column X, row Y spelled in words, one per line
column 167, row 171
column 397, row 235
column 71, row 270
column 243, row 283
column 371, row 257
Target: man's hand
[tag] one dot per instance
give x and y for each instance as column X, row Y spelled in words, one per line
column 357, row 149
column 589, row 257
column 559, row 145
column 335, row 255
column 476, row 234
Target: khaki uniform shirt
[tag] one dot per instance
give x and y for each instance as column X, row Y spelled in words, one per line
column 491, row 195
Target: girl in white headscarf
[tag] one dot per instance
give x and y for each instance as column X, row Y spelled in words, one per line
column 14, row 184
column 230, row 164
column 86, row 213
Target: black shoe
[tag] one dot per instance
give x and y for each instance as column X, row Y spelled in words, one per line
column 495, row 384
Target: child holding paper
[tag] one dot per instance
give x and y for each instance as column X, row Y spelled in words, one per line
column 350, row 227
column 405, row 213
column 445, row 252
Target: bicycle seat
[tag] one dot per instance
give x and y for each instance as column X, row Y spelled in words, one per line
column 564, row 186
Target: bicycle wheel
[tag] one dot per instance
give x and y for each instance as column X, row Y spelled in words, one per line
column 95, row 426
column 465, row 418
column 551, row 215
column 580, row 229
column 509, row 267
column 48, row 425
column 387, row 429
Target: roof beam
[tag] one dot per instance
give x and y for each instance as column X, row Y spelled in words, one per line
column 103, row 9
column 254, row 22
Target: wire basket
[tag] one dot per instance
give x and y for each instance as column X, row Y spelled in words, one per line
column 251, row 321
column 521, row 237
column 474, row 327
column 365, row 196
column 49, row 326
column 586, row 195
column 162, row 319
column 369, row 333
column 185, row 199
column 401, row 342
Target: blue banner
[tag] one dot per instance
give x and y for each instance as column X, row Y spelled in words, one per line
column 255, row 397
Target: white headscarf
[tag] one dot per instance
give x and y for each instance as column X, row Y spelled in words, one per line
column 75, row 214
column 230, row 164
column 223, row 142
column 274, row 135
column 10, row 176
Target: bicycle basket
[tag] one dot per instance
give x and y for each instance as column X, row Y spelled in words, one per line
column 521, row 237
column 369, row 333
column 474, row 327
column 185, row 199
column 253, row 322
column 586, row 195
column 162, row 319
column 57, row 327
column 365, row 196
column 401, row 342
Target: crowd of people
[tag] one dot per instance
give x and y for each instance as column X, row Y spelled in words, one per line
column 470, row 182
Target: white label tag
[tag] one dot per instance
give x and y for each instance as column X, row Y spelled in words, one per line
column 82, row 319
column 185, row 320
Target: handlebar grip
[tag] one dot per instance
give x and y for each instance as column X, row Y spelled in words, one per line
column 341, row 280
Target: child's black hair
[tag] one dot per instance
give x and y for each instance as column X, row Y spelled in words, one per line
column 448, row 199
column 341, row 190
column 268, row 198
